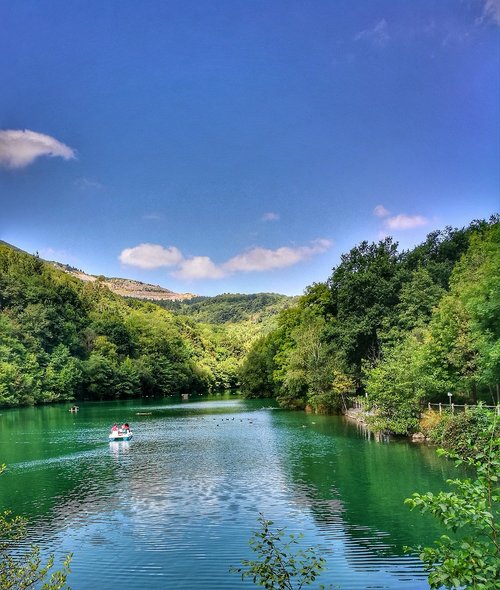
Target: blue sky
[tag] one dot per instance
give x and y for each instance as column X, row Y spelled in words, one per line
column 242, row 146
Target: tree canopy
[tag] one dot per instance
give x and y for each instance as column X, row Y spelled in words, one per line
column 62, row 338
column 401, row 328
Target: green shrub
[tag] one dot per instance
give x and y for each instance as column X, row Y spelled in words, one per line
column 470, row 556
column 464, row 433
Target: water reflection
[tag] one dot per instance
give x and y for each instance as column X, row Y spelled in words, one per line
column 179, row 502
column 119, row 448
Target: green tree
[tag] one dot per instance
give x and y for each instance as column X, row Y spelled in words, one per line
column 394, row 387
column 470, row 559
column 310, row 364
column 99, row 376
column 127, row 380
column 476, row 282
column 417, row 298
column 364, row 291
column 257, row 371
column 22, row 568
column 62, row 375
column 462, row 348
column 277, row 566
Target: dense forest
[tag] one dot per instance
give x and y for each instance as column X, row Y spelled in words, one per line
column 396, row 329
column 63, row 339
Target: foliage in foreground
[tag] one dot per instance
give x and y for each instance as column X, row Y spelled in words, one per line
column 472, row 558
column 277, row 566
column 23, row 569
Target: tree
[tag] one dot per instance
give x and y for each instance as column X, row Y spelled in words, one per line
column 277, row 567
column 99, row 376
column 394, row 387
column 442, row 249
column 343, row 386
column 471, row 559
column 308, row 367
column 476, row 283
column 364, row 291
column 62, row 375
column 22, row 569
column 256, row 373
column 463, row 344
column 418, row 296
column 128, row 382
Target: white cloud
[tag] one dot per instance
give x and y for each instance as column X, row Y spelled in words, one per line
column 88, row 183
column 491, row 11
column 21, row 148
column 261, row 259
column 270, row 216
column 198, row 267
column 378, row 35
column 152, row 216
column 403, row 221
column 151, row 256
column 381, row 211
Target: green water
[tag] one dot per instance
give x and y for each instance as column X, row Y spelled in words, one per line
column 175, row 507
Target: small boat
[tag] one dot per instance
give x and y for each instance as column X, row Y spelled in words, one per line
column 120, row 435
column 74, row 409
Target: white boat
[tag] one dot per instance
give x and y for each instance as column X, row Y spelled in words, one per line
column 119, row 435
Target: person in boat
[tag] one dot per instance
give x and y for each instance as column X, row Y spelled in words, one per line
column 126, row 427
column 114, row 428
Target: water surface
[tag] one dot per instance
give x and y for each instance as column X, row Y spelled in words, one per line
column 175, row 507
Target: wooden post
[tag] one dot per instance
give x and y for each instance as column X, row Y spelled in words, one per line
column 452, row 408
column 440, row 410
column 429, row 405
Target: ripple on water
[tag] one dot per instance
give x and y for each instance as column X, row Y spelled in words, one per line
column 175, row 507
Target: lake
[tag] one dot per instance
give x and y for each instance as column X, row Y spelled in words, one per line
column 176, row 506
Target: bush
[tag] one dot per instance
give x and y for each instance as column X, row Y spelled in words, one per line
column 21, row 567
column 464, row 433
column 430, row 422
column 277, row 566
column 471, row 557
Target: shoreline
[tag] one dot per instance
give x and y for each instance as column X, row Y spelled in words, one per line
column 358, row 416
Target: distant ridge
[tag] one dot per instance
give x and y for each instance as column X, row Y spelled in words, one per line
column 123, row 287
column 127, row 287
column 2, row 243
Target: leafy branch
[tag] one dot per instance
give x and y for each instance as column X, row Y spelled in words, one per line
column 472, row 560
column 277, row 566
column 23, row 570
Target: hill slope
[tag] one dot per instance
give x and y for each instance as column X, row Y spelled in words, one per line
column 65, row 335
column 120, row 286
column 126, row 287
column 232, row 307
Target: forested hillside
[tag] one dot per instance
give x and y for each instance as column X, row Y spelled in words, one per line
column 62, row 338
column 401, row 328
column 231, row 308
